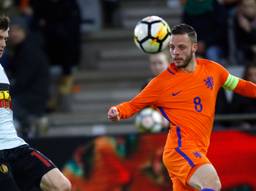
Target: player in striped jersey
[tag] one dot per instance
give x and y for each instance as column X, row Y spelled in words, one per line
column 21, row 167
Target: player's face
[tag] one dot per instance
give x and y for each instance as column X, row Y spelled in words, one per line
column 3, row 38
column 182, row 50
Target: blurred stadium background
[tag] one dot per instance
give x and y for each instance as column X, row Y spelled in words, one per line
column 112, row 70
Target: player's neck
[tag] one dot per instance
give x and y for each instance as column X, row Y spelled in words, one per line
column 191, row 67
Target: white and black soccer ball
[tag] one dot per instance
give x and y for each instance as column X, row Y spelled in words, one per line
column 149, row 120
column 152, row 34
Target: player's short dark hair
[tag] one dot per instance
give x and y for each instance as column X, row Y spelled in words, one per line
column 185, row 29
column 4, row 22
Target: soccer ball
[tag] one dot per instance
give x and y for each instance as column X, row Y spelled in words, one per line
column 152, row 34
column 149, row 120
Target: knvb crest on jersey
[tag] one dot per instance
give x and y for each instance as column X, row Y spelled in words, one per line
column 209, row 82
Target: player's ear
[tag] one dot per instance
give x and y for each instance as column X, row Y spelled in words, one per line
column 194, row 47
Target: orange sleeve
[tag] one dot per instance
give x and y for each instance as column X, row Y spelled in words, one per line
column 246, row 88
column 223, row 73
column 243, row 87
column 148, row 96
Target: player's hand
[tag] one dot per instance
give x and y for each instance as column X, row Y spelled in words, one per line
column 113, row 114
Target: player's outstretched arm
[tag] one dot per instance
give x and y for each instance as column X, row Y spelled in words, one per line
column 148, row 96
column 246, row 88
column 240, row 86
column 113, row 114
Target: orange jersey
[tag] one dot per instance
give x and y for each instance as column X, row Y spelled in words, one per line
column 186, row 99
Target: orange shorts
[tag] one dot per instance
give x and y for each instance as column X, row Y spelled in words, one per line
column 181, row 164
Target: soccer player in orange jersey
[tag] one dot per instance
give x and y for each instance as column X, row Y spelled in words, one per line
column 186, row 94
